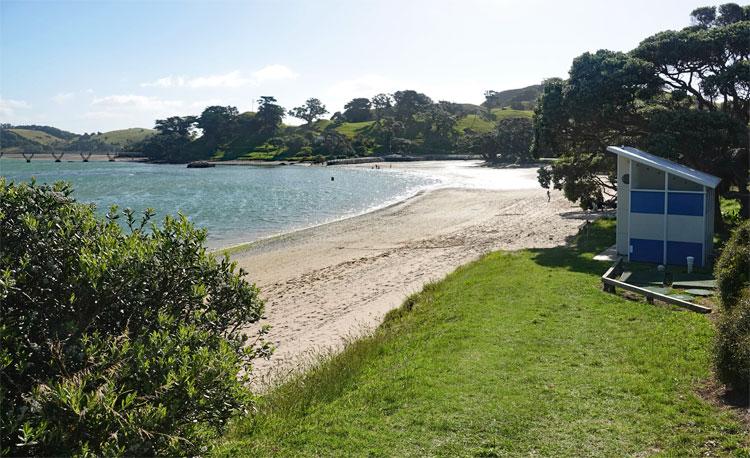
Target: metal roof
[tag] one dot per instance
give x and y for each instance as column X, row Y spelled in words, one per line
column 666, row 165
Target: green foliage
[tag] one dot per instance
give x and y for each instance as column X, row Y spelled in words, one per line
column 524, row 98
column 509, row 143
column 733, row 266
column 310, row 111
column 112, row 341
column 517, row 354
column 217, row 122
column 423, row 126
column 358, row 110
column 680, row 94
column 514, row 137
column 732, row 347
column 269, row 115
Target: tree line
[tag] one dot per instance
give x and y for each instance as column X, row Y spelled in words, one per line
column 404, row 122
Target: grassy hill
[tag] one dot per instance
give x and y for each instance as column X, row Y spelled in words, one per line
column 517, row 354
column 37, row 136
column 124, row 136
column 525, row 96
column 478, row 123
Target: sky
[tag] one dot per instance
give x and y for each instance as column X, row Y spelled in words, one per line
column 88, row 66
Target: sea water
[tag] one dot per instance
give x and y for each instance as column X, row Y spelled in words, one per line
column 234, row 203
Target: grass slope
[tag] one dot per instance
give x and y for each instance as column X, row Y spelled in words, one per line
column 505, row 113
column 479, row 124
column 37, row 136
column 351, row 129
column 520, row 353
column 475, row 123
column 124, row 136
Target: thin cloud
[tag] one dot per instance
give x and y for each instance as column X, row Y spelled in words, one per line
column 8, row 107
column 133, row 101
column 233, row 79
column 132, row 106
column 63, row 97
column 274, row 72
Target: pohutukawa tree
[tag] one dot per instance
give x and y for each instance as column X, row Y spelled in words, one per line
column 312, row 110
column 684, row 95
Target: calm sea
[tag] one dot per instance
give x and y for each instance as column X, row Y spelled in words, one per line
column 235, row 203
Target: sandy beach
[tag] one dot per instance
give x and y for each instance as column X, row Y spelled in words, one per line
column 337, row 280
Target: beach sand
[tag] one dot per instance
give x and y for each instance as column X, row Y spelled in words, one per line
column 335, row 281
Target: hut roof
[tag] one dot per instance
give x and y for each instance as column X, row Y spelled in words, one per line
column 666, row 165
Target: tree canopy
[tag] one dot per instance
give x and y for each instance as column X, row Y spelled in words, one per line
column 358, row 110
column 680, row 94
column 312, row 109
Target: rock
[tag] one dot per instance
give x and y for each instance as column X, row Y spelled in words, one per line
column 200, row 165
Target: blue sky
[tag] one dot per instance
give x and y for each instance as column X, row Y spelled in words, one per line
column 97, row 66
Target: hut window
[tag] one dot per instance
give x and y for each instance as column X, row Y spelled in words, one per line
column 645, row 177
column 680, row 184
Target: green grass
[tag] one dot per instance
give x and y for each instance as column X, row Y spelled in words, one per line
column 37, row 136
column 475, row 123
column 479, row 124
column 519, row 353
column 351, row 129
column 504, row 113
column 123, row 136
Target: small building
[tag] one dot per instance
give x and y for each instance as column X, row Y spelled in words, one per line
column 665, row 210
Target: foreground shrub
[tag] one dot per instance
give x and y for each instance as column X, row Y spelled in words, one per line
column 732, row 352
column 733, row 266
column 112, row 341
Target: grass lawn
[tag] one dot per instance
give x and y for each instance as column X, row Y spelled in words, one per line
column 519, row 353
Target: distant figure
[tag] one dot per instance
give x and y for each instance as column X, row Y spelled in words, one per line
column 548, row 196
column 331, row 178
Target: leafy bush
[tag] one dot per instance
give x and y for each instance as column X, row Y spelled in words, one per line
column 733, row 267
column 732, row 351
column 112, row 341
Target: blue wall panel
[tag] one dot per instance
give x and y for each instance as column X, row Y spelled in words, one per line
column 646, row 202
column 681, row 203
column 677, row 252
column 644, row 250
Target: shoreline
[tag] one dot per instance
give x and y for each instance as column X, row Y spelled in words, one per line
column 332, row 282
column 244, row 246
column 414, row 167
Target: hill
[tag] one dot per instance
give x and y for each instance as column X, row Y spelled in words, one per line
column 38, row 138
column 123, row 137
column 53, row 131
column 523, row 98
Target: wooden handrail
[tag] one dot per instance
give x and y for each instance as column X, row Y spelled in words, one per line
column 610, row 284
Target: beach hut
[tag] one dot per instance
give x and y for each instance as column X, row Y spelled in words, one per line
column 665, row 210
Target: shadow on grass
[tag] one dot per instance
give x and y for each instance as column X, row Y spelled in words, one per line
column 578, row 252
